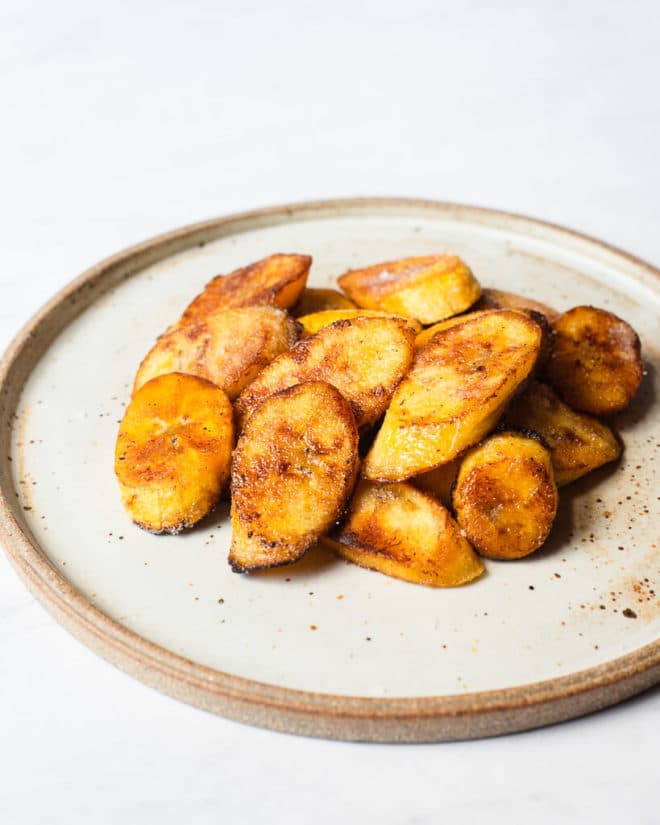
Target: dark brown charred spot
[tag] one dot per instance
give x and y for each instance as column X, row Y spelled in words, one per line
column 299, row 353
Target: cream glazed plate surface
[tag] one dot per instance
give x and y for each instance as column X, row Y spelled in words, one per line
column 323, row 647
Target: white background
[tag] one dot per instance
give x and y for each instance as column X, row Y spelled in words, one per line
column 123, row 119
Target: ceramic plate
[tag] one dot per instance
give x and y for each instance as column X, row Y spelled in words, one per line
column 323, row 647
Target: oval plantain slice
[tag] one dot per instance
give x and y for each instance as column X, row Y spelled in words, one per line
column 365, row 358
column 317, row 320
column 499, row 299
column 456, row 390
column 402, row 532
column 173, row 452
column 428, row 288
column 314, row 299
column 228, row 347
column 294, row 467
column 578, row 443
column 277, row 280
column 596, row 363
column 505, row 496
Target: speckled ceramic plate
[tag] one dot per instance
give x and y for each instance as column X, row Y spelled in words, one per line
column 322, row 647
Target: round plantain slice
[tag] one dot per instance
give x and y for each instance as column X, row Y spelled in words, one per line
column 277, row 280
column 317, row 320
column 315, row 299
column 505, row 496
column 173, row 452
column 228, row 347
column 365, row 358
column 428, row 288
column 596, row 363
column 294, row 467
column 402, row 532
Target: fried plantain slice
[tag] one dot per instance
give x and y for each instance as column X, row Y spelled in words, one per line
column 455, row 392
column 365, row 358
column 578, row 442
column 505, row 497
column 293, row 470
column 173, row 452
column 228, row 347
column 277, row 280
column 314, row 299
column 317, row 320
column 499, row 299
column 596, row 363
column 402, row 532
column 428, row 288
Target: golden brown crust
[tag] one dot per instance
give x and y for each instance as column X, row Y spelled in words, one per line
column 229, row 347
column 277, row 280
column 547, row 333
column 505, row 496
column 173, row 451
column 596, row 363
column 365, row 358
column 428, row 288
column 578, row 442
column 294, row 467
column 455, row 392
column 425, row 335
column 402, row 532
column 314, row 299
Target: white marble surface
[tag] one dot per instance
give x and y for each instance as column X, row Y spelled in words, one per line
column 120, row 120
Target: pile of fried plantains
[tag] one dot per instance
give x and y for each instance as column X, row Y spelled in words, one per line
column 406, row 422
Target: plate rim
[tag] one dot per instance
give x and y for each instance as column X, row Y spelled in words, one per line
column 394, row 719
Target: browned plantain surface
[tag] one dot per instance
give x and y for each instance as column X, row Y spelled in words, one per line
column 547, row 333
column 454, row 394
column 315, row 299
column 439, row 482
column 277, row 280
column 596, row 362
column 499, row 299
column 173, row 452
column 293, row 470
column 365, row 358
column 578, row 442
column 427, row 288
column 505, row 497
column 228, row 347
column 426, row 334
column 402, row 532
column 317, row 320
